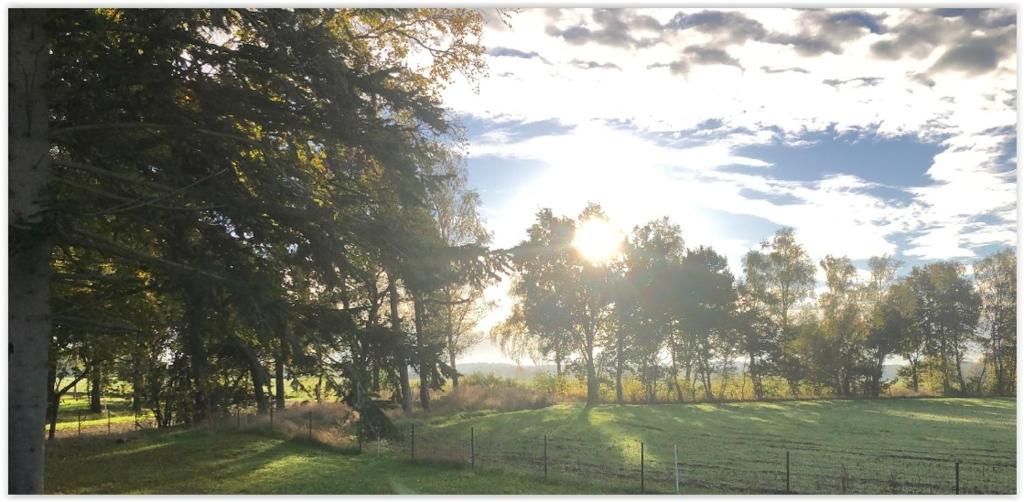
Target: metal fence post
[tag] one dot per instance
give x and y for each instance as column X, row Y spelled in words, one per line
column 675, row 460
column 79, row 423
column 472, row 448
column 545, row 457
column 412, row 442
column 787, row 471
column 958, row 477
column 641, row 466
column 108, row 420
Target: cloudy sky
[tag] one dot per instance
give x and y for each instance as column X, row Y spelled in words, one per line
column 869, row 131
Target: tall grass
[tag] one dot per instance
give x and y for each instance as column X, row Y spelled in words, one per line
column 488, row 392
column 329, row 424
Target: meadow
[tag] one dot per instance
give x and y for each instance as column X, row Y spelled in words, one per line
column 834, row 446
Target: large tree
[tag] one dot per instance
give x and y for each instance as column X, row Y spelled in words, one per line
column 220, row 152
column 946, row 315
column 781, row 275
column 996, row 278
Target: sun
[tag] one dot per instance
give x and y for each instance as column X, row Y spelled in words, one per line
column 597, row 240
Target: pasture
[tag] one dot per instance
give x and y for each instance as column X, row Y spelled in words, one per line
column 869, row 446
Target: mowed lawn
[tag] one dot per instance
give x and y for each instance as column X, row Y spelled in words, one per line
column 877, row 446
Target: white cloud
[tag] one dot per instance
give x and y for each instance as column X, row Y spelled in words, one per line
column 838, row 215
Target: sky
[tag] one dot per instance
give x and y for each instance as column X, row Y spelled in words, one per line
column 869, row 131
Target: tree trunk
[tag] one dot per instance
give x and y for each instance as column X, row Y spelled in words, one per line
column 421, row 352
column 914, row 381
column 592, row 390
column 137, row 384
column 619, row 356
column 198, row 363
column 279, row 381
column 960, row 373
column 403, row 363
column 451, row 362
column 675, row 372
column 755, row 379
column 258, row 375
column 96, row 390
column 53, row 398
column 29, row 249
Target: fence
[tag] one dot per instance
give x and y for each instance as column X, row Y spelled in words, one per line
column 631, row 466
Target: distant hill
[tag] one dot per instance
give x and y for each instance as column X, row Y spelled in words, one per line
column 506, row 370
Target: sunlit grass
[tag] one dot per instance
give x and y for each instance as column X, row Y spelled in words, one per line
column 225, row 461
column 880, row 446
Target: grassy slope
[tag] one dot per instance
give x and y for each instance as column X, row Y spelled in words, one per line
column 236, row 462
column 903, row 445
column 887, row 445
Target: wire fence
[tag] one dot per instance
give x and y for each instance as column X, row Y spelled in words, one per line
column 631, row 466
column 626, row 465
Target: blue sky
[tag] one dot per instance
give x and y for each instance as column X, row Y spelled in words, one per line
column 869, row 131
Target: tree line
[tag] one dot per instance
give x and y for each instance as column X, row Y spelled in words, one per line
column 211, row 205
column 665, row 313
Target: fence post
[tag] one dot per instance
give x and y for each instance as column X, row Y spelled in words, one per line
column 958, row 477
column 238, row 418
column 108, row 420
column 675, row 460
column 545, row 457
column 412, row 442
column 472, row 448
column 359, row 435
column 641, row 466
column 79, row 423
column 311, row 426
column 787, row 471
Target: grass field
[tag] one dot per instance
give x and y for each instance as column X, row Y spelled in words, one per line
column 225, row 462
column 877, row 446
column 870, row 446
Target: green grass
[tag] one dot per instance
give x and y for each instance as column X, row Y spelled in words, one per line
column 226, row 461
column 877, row 446
column 871, row 446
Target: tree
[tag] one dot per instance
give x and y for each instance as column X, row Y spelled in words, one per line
column 996, row 279
column 708, row 310
column 648, row 301
column 946, row 314
column 214, row 149
column 562, row 301
column 887, row 313
column 842, row 325
column 781, row 275
column 459, row 306
column 759, row 338
column 30, row 226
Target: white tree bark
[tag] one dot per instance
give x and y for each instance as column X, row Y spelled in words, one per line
column 28, row 251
